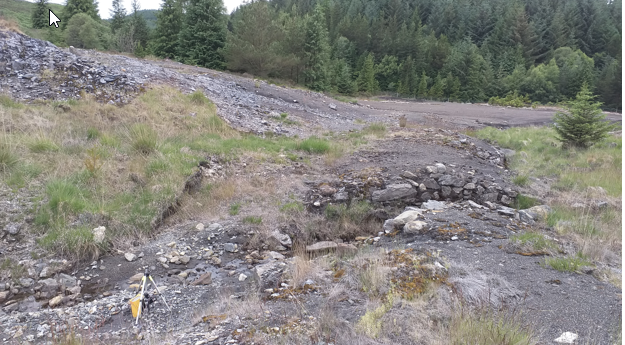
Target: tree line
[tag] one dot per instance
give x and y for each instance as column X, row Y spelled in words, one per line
column 460, row 50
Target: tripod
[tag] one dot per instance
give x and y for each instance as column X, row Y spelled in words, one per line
column 144, row 299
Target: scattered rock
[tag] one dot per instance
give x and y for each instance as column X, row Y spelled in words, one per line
column 55, row 301
column 322, row 247
column 130, row 257
column 230, row 247
column 280, row 238
column 541, row 210
column 433, row 205
column 99, row 234
column 4, row 295
column 242, row 277
column 199, row 227
column 332, row 106
column 13, row 228
column 566, row 338
column 415, row 226
column 406, row 216
column 394, row 192
column 204, row 279
column 268, row 275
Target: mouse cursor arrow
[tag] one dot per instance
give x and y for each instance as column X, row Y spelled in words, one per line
column 53, row 19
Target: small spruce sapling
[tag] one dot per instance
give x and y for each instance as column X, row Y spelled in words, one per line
column 583, row 124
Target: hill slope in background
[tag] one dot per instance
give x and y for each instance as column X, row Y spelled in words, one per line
column 150, row 17
column 20, row 11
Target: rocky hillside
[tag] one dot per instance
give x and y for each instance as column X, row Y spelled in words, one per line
column 401, row 235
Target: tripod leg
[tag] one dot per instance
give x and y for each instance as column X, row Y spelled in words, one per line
column 143, row 282
column 159, row 293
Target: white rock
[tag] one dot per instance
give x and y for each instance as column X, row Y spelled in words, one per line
column 130, row 257
column 433, row 205
column 440, row 168
column 407, row 216
column 99, row 234
column 415, row 226
column 242, row 277
column 389, row 226
column 55, row 301
column 566, row 338
column 276, row 255
column 199, row 227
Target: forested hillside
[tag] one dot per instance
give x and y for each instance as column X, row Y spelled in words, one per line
column 466, row 50
column 461, row 50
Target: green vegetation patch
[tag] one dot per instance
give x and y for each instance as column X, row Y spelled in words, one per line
column 567, row 264
column 540, row 154
column 490, row 328
column 533, row 243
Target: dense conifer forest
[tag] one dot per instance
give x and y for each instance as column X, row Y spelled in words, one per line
column 460, row 50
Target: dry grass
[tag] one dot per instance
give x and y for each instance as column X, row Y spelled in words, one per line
column 9, row 25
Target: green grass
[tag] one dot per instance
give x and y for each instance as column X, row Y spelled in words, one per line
column 8, row 159
column 8, row 102
column 376, row 129
column 149, row 139
column 292, row 207
column 521, row 180
column 198, row 98
column 42, row 145
column 143, row 138
column 539, row 154
column 522, row 202
column 534, row 241
column 235, row 209
column 314, row 145
column 490, row 328
column 20, row 11
column 567, row 264
column 252, row 220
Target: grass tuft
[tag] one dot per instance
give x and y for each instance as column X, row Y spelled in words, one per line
column 143, row 138
column 314, row 145
column 253, row 220
column 8, row 160
column 235, row 209
column 42, row 145
column 198, row 98
column 568, row 264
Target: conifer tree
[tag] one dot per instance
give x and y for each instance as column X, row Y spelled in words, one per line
column 118, row 15
column 583, row 124
column 316, row 50
column 438, row 88
column 203, row 34
column 72, row 7
column 168, row 26
column 344, row 82
column 406, row 84
column 366, row 78
column 141, row 32
column 422, row 90
column 40, row 15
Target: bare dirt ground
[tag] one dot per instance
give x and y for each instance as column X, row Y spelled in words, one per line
column 319, row 301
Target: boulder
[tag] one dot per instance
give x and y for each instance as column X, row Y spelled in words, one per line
column 67, row 280
column 426, row 196
column 440, row 168
column 55, row 301
column 281, row 239
column 346, row 249
column 99, row 234
column 446, row 191
column 389, row 226
column 394, row 192
column 406, row 216
column 268, row 275
column 410, row 176
column 542, row 211
column 429, row 183
column 449, row 180
column 4, row 295
column 130, row 257
column 230, row 247
column 415, row 226
column 322, row 247
column 434, row 205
